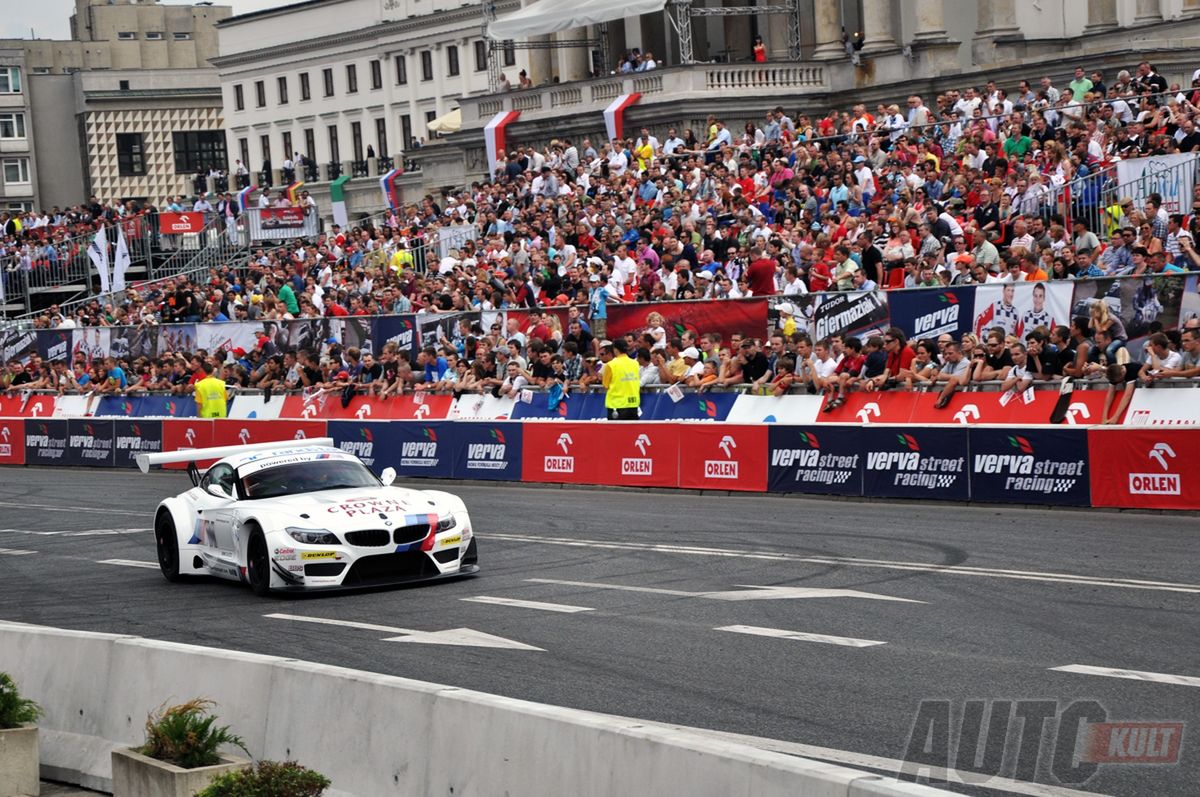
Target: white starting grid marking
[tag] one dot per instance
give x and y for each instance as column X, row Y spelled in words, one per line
column 801, row 636
column 1133, row 675
column 747, row 593
column 129, row 563
column 75, row 533
column 14, row 552
column 847, row 561
column 563, row 608
column 463, row 637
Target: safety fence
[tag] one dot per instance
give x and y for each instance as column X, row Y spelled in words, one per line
column 1053, row 466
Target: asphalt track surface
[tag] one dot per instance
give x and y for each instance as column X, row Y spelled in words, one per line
column 995, row 598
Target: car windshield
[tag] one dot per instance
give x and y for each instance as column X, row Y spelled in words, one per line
column 307, row 477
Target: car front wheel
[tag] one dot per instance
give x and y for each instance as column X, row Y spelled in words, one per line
column 167, row 543
column 258, row 563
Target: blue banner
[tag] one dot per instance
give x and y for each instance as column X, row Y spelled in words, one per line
column 573, row 407
column 489, row 451
column 54, row 344
column 421, row 449
column 927, row 314
column 168, row 407
column 400, row 330
column 120, row 407
column 376, row 443
column 692, row 407
column 811, row 459
column 133, row 437
column 1030, row 466
column 90, row 442
column 46, row 442
column 915, row 462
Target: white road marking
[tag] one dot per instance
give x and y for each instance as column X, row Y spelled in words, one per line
column 777, row 556
column 747, row 593
column 801, row 636
column 73, row 509
column 129, row 563
column 564, row 608
column 80, row 533
column 878, row 763
column 452, row 636
column 15, row 552
column 1133, row 675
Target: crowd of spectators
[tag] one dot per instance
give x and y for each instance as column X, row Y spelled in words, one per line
column 971, row 187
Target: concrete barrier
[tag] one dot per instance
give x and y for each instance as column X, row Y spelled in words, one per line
column 376, row 734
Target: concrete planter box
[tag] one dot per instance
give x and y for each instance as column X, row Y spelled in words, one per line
column 19, row 762
column 136, row 775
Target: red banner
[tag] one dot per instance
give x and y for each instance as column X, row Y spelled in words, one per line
column 562, row 453
column 904, row 407
column 723, row 456
column 418, row 407
column 1151, row 468
column 744, row 316
column 234, row 433
column 186, row 434
column 180, row 223
column 281, row 217
column 12, row 442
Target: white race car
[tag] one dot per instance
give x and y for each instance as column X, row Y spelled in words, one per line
column 306, row 516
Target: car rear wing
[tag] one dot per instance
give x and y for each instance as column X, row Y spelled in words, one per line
column 194, row 455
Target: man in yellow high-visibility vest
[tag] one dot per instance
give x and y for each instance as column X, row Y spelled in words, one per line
column 622, row 383
column 210, row 394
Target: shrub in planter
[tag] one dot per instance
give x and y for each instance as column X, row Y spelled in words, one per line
column 18, row 740
column 268, row 779
column 187, row 735
column 15, row 710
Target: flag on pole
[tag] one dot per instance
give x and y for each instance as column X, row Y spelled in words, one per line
column 98, row 253
column 121, row 261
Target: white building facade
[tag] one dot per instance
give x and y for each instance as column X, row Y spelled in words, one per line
column 349, row 84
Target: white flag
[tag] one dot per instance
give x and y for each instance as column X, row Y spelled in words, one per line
column 98, row 252
column 121, row 261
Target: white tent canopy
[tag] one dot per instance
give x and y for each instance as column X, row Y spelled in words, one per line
column 551, row 16
column 447, row 123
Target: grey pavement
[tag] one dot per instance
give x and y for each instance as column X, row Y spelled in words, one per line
column 640, row 603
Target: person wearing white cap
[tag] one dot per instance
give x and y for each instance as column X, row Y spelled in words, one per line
column 787, row 318
column 695, row 371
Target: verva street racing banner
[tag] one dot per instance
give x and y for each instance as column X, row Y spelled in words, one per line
column 926, row 314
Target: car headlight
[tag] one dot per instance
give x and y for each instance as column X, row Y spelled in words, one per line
column 447, row 523
column 313, row 536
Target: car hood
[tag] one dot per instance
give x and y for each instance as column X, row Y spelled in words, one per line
column 346, row 510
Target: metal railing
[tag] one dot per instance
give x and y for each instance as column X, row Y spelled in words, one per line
column 1094, row 197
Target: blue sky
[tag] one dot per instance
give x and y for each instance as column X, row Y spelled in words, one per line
column 50, row 19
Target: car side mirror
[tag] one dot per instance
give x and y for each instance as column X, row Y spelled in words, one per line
column 217, row 490
column 388, row 476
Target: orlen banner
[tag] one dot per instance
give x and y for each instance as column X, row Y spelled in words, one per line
column 1030, row 466
column 180, row 223
column 12, row 442
column 636, row 454
column 915, row 462
column 809, row 459
column 723, row 456
column 1145, row 468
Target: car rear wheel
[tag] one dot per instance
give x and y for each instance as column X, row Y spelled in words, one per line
column 258, row 563
column 167, row 543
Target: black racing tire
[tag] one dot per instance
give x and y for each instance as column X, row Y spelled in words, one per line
column 166, row 541
column 258, row 563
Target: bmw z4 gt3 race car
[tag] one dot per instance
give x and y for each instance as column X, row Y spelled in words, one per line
column 306, row 516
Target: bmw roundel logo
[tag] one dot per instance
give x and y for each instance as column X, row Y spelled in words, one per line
column 387, row 522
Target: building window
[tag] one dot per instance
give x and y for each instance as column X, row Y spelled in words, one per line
column 16, row 170
column 406, row 139
column 264, row 143
column 244, row 151
column 376, row 75
column 327, row 74
column 18, row 206
column 335, row 153
column 401, row 70
column 45, row 70
column 154, row 35
column 182, row 37
column 12, row 125
column 510, row 54
column 199, row 150
column 429, row 117
column 126, row 35
column 281, row 87
column 305, row 90
column 480, row 56
column 10, row 80
column 131, row 160
column 356, row 139
column 452, row 60
column 239, row 97
column 123, row 85
column 260, row 94
column 381, row 147
column 427, row 65
column 351, row 79
column 310, row 144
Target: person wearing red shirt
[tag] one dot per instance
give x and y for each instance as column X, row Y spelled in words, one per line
column 899, row 355
column 819, row 276
column 761, row 273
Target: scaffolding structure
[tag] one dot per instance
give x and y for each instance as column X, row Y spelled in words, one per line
column 496, row 48
column 681, row 13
